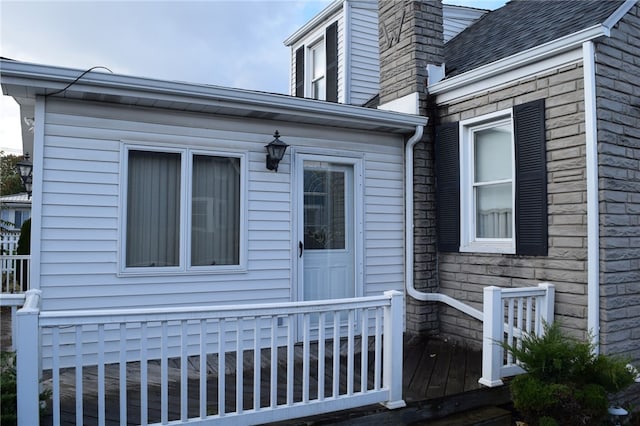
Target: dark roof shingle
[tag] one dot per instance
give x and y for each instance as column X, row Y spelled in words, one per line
column 520, row 25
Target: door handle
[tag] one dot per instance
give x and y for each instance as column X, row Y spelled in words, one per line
column 300, row 248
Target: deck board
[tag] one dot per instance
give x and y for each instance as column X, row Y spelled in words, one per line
column 432, row 369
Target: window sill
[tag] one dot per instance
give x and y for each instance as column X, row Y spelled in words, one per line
column 157, row 272
column 495, row 248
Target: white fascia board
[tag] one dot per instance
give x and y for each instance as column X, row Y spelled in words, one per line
column 315, row 21
column 509, row 76
column 407, row 104
column 18, row 77
column 529, row 62
column 616, row 16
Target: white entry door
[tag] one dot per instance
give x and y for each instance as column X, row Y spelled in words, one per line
column 327, row 228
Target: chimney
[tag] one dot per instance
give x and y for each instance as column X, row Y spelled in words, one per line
column 410, row 37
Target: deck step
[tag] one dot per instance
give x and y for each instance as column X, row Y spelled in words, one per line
column 437, row 411
column 485, row 416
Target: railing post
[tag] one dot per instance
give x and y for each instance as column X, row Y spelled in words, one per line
column 28, row 360
column 392, row 352
column 547, row 303
column 492, row 337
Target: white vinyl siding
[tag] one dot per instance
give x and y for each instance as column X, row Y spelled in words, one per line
column 365, row 53
column 81, row 227
column 457, row 18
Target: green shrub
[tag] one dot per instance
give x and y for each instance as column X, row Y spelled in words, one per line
column 566, row 383
column 24, row 242
column 8, row 398
column 8, row 390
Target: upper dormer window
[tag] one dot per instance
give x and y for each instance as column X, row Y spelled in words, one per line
column 317, row 67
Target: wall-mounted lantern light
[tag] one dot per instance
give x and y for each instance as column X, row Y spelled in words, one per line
column 25, row 170
column 275, row 152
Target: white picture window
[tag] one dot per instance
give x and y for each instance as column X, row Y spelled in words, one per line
column 318, row 66
column 183, row 211
column 487, row 184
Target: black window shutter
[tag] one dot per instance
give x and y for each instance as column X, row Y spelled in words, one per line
column 300, row 72
column 331, row 42
column 531, row 179
column 448, row 186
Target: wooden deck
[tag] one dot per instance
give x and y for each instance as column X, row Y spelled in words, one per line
column 433, row 371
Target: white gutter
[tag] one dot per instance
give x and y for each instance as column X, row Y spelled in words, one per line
column 593, row 232
column 408, row 229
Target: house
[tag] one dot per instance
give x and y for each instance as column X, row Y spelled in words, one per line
column 527, row 171
column 129, row 246
column 579, row 71
column 16, row 208
column 335, row 56
column 107, row 178
column 158, row 198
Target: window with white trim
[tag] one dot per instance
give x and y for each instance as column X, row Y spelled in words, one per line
column 477, row 161
column 487, row 185
column 183, row 210
column 317, row 68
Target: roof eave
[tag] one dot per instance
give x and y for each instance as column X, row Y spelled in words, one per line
column 24, row 80
column 521, row 59
column 324, row 14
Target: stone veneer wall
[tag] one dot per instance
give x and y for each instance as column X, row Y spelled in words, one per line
column 618, row 110
column 464, row 275
column 411, row 36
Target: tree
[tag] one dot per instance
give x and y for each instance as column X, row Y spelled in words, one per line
column 10, row 182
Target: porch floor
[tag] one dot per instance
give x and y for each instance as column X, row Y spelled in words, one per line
column 434, row 370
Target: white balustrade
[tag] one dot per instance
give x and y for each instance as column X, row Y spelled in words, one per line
column 14, row 282
column 9, row 242
column 145, row 349
column 509, row 314
column 14, row 273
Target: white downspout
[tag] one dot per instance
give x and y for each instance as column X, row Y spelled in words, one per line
column 593, row 220
column 408, row 229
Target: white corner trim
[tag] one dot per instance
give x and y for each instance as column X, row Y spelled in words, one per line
column 612, row 20
column 37, row 157
column 563, row 51
column 408, row 104
column 346, row 19
column 593, row 218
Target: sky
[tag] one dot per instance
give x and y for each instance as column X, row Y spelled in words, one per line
column 219, row 42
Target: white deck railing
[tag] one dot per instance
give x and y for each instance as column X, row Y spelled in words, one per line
column 9, row 242
column 508, row 314
column 14, row 273
column 14, row 281
column 191, row 336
